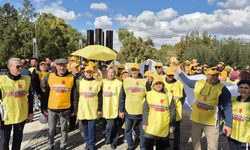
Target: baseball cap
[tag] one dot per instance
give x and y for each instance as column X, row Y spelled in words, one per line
column 134, row 66
column 121, row 66
column 74, row 64
column 170, row 71
column 205, row 65
column 42, row 62
column 158, row 64
column 149, row 74
column 213, row 71
column 187, row 61
column 194, row 60
column 61, row 61
column 124, row 71
column 158, row 79
column 89, row 68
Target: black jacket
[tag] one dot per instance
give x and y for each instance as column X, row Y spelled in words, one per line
column 45, row 97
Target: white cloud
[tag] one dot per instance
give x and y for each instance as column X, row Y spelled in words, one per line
column 79, row 15
column 211, row 1
column 168, row 30
column 88, row 14
column 99, row 6
column 167, row 14
column 89, row 23
column 58, row 10
column 234, row 4
column 103, row 22
column 83, row 31
column 39, row 1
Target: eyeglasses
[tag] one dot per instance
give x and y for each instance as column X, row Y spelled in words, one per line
column 18, row 66
column 70, row 60
column 157, row 67
column 219, row 67
column 213, row 69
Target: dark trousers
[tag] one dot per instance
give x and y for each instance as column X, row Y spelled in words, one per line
column 236, row 145
column 104, row 122
column 160, row 144
column 89, row 132
column 112, row 129
column 5, row 131
column 177, row 134
column 128, row 133
column 72, row 121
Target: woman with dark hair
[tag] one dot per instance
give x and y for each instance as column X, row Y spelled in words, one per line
column 244, row 75
column 239, row 139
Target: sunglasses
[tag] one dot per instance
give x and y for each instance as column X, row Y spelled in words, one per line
column 70, row 60
column 157, row 67
column 219, row 67
column 213, row 69
column 120, row 68
column 18, row 67
column 199, row 70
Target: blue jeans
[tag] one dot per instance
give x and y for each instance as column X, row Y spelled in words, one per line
column 128, row 132
column 89, row 133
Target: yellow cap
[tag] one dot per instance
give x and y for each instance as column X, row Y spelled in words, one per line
column 91, row 63
column 170, row 71
column 134, row 66
column 195, row 64
column 194, row 60
column 199, row 68
column 213, row 71
column 121, row 66
column 73, row 58
column 158, row 79
column 42, row 62
column 89, row 68
column 158, row 64
column 149, row 74
column 205, row 65
column 228, row 67
column 187, row 61
column 124, row 71
column 222, row 63
column 74, row 64
column 83, row 62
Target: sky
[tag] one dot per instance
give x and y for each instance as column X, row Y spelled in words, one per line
column 165, row 21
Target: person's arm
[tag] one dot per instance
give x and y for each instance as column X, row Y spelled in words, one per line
column 33, row 77
column 148, row 87
column 100, row 99
column 38, row 85
column 146, row 68
column 145, row 113
column 122, row 100
column 172, row 111
column 187, row 81
column 45, row 97
column 226, row 102
column 184, row 97
column 73, row 98
column 30, row 100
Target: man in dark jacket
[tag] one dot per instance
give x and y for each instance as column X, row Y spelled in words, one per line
column 60, row 100
column 133, row 105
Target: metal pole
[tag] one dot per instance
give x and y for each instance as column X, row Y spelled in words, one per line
column 35, row 49
column 80, row 47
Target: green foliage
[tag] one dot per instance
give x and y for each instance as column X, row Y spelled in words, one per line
column 18, row 28
column 135, row 47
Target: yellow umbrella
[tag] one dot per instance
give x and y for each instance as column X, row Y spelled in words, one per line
column 96, row 52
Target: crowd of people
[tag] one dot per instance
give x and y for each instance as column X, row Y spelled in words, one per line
column 70, row 91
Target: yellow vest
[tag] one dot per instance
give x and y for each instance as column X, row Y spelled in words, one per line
column 88, row 99
column 41, row 76
column 187, row 69
column 135, row 90
column 159, row 115
column 111, row 96
column 241, row 121
column 205, row 72
column 176, row 91
column 206, row 102
column 15, row 98
column 223, row 76
column 60, row 91
column 32, row 69
column 119, row 77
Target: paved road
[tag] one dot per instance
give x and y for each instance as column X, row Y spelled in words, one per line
column 76, row 142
